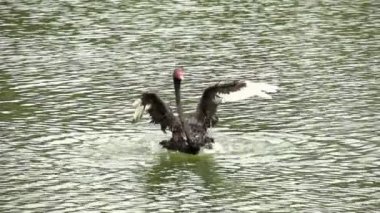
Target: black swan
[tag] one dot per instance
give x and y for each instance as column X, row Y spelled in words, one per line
column 189, row 134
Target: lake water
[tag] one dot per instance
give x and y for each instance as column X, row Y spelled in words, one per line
column 70, row 71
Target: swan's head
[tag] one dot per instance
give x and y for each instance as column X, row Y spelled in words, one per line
column 179, row 73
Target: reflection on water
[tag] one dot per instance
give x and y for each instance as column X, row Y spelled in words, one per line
column 170, row 166
column 70, row 70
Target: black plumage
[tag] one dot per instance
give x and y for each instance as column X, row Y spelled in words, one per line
column 189, row 133
column 159, row 111
column 206, row 110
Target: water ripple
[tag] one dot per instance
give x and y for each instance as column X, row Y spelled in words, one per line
column 71, row 69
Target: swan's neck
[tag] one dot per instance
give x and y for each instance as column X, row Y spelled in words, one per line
column 177, row 89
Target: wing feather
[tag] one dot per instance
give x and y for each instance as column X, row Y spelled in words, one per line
column 157, row 109
column 229, row 92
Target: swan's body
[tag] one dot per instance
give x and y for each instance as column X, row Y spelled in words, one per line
column 189, row 134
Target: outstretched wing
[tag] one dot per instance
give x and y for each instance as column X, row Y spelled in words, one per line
column 157, row 109
column 229, row 92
